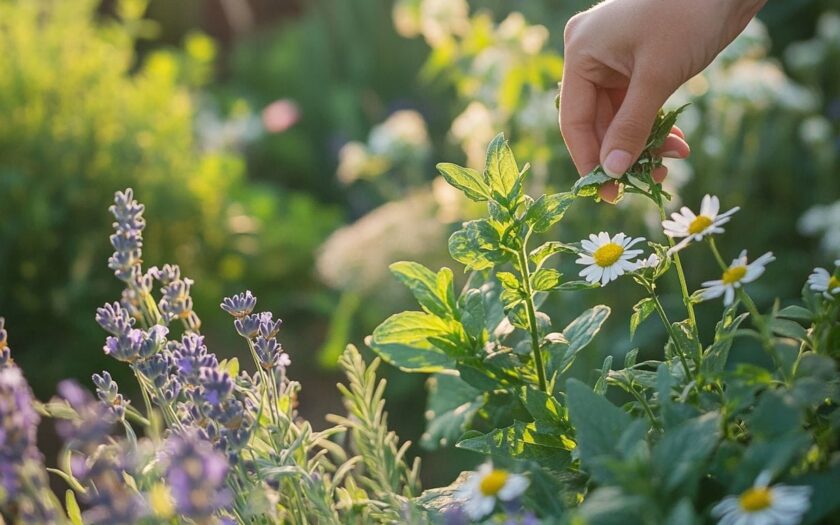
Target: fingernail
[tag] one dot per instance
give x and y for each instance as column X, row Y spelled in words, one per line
column 671, row 154
column 617, row 162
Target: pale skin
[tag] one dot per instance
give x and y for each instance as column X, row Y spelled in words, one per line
column 623, row 59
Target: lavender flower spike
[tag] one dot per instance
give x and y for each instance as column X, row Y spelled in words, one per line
column 127, row 240
column 195, row 473
column 240, row 304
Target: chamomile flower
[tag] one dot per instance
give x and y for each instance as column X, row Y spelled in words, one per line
column 739, row 273
column 821, row 281
column 607, row 258
column 764, row 505
column 652, row 261
column 481, row 490
column 694, row 227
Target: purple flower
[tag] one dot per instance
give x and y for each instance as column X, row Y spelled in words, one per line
column 114, row 319
column 270, row 353
column 190, row 357
column 5, row 352
column 107, row 391
column 168, row 274
column 94, row 423
column 240, row 304
column 195, row 473
column 216, row 385
column 18, row 428
column 127, row 240
column 176, row 302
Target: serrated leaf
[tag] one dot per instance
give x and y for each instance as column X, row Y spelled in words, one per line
column 403, row 341
column 545, row 279
column 521, row 441
column 545, row 409
column 548, row 210
column 423, row 285
column 641, row 311
column 508, row 280
column 468, row 180
column 473, row 313
column 587, row 186
column 477, row 246
column 501, row 172
column 681, row 455
column 542, row 252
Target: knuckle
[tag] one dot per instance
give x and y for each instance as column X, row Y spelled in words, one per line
column 572, row 32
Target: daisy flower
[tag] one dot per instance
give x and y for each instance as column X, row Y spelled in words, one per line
column 695, row 227
column 652, row 261
column 483, row 487
column 738, row 274
column 606, row 258
column 821, row 281
column 764, row 505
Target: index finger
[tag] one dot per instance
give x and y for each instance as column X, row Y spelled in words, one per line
column 578, row 99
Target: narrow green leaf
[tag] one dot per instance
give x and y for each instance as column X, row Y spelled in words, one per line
column 797, row 313
column 641, row 311
column 469, row 181
column 787, row 328
column 73, row 510
column 580, row 333
column 601, row 384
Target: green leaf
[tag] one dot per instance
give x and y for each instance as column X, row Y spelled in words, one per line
column 73, row 510
column 715, row 357
column 451, row 406
column 587, row 186
column 543, row 408
column 501, row 172
column 508, row 280
column 580, row 333
column 473, row 313
column 598, row 423
column 542, row 252
column 662, row 127
column 403, row 341
column 522, row 441
column 423, row 285
column 686, row 339
column 545, row 279
column 641, row 311
column 548, row 210
column 469, row 181
column 796, row 313
column 572, row 286
column 477, row 245
column 601, row 384
column 440, row 501
column 446, row 289
column 787, row 328
column 680, row 457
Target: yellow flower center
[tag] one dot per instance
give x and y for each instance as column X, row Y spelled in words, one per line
column 493, row 482
column 607, row 254
column 700, row 223
column 734, row 274
column 756, row 499
column 833, row 283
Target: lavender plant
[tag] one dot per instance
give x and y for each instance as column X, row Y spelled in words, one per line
column 212, row 443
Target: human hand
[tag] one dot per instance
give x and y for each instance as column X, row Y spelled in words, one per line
column 623, row 59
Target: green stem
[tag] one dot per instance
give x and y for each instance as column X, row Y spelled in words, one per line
column 642, row 401
column 662, row 315
column 525, row 272
column 681, row 275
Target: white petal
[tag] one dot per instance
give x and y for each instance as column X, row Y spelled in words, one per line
column 585, row 259
column 588, row 245
column 729, row 296
column 603, row 238
column 679, row 246
column 514, row 487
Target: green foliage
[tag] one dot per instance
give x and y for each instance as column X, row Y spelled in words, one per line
column 83, row 116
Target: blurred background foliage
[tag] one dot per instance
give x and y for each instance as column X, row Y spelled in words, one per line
column 289, row 147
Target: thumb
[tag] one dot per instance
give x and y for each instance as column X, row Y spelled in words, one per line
column 630, row 127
